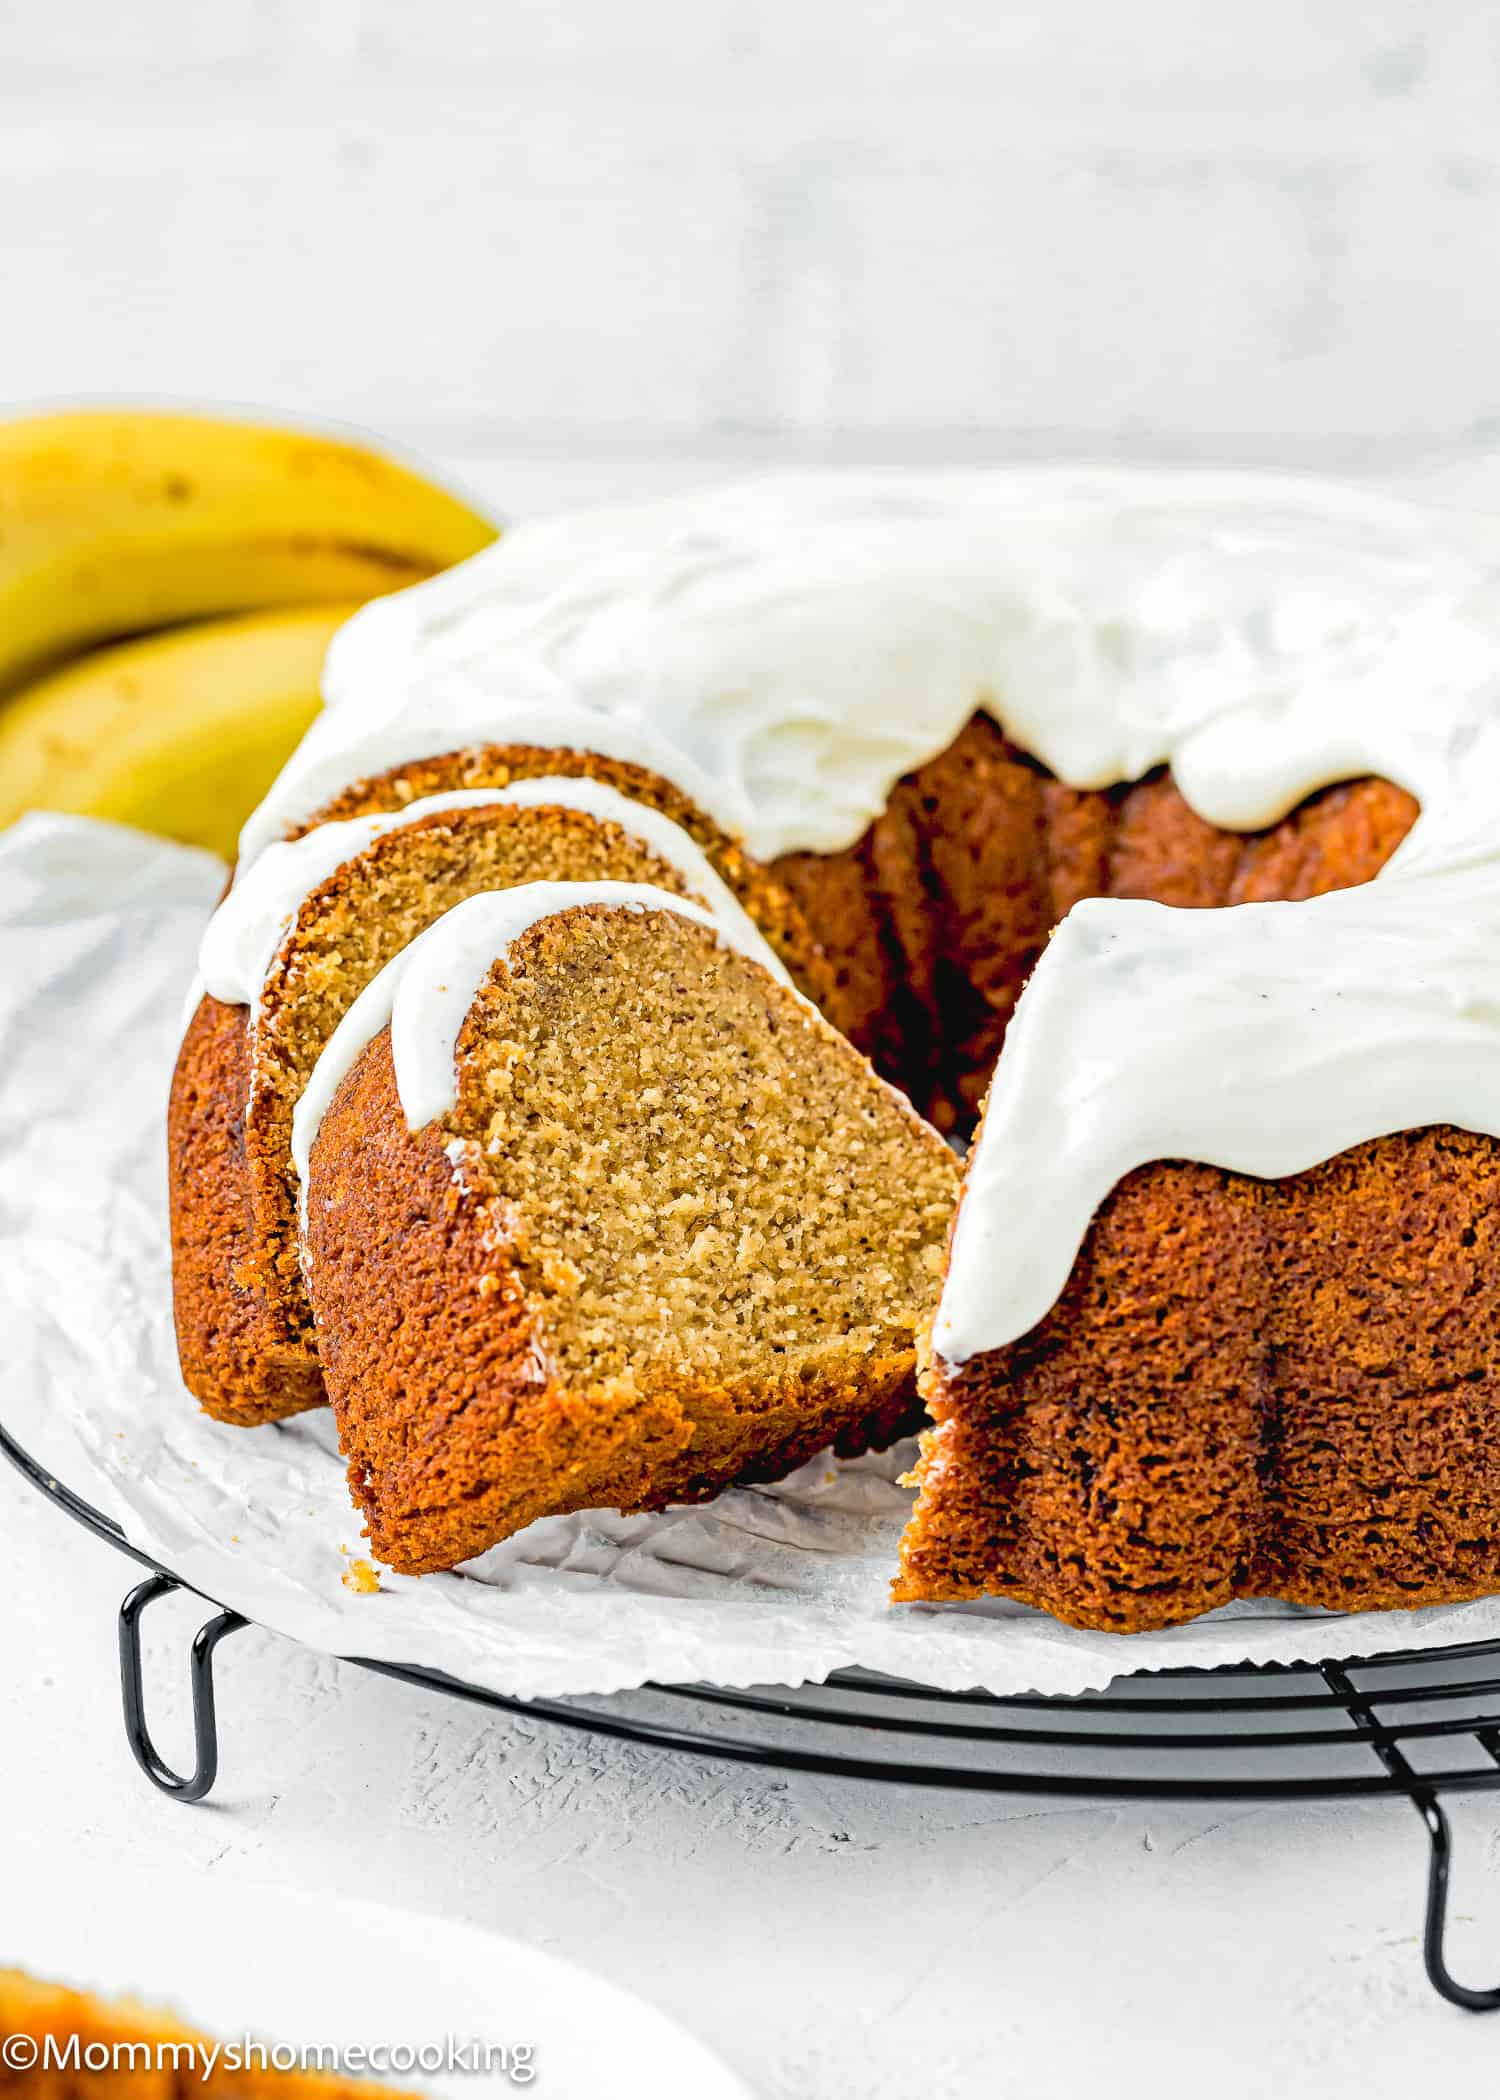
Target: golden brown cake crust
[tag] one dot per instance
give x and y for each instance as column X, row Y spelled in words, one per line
column 239, row 1354
column 1247, row 1388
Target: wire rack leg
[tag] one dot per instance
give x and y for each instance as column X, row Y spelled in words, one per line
column 1439, row 1974
column 200, row 1677
column 1439, row 1836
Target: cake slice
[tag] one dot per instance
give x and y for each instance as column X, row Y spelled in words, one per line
column 302, row 932
column 599, row 1212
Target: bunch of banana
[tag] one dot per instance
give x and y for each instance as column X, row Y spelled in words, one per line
column 247, row 545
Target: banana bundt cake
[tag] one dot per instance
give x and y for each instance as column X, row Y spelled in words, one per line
column 1159, row 808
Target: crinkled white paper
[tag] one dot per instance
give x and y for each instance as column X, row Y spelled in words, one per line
column 98, row 932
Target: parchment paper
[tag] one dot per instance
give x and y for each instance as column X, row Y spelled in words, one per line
column 98, row 932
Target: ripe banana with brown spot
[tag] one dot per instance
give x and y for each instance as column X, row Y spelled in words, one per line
column 114, row 522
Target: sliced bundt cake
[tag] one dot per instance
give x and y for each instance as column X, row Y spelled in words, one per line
column 298, row 938
column 599, row 1212
column 947, row 715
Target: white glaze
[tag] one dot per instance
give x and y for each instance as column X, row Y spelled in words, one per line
column 788, row 649
column 1263, row 1039
column 425, row 993
column 244, row 934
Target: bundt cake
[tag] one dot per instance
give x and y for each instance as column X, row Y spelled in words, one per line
column 915, row 724
column 600, row 1212
column 86, row 2046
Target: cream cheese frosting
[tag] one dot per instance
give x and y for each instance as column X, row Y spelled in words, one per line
column 424, row 995
column 788, row 649
column 242, row 938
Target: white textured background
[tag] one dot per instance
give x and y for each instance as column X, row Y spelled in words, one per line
column 604, row 247
column 1247, row 227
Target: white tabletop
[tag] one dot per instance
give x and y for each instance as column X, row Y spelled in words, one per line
column 828, row 1939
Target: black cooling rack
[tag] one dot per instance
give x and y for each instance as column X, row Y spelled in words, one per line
column 1416, row 1725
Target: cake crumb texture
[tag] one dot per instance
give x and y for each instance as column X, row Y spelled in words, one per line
column 689, row 1239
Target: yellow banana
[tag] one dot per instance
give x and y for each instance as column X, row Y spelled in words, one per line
column 180, row 733
column 117, row 521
